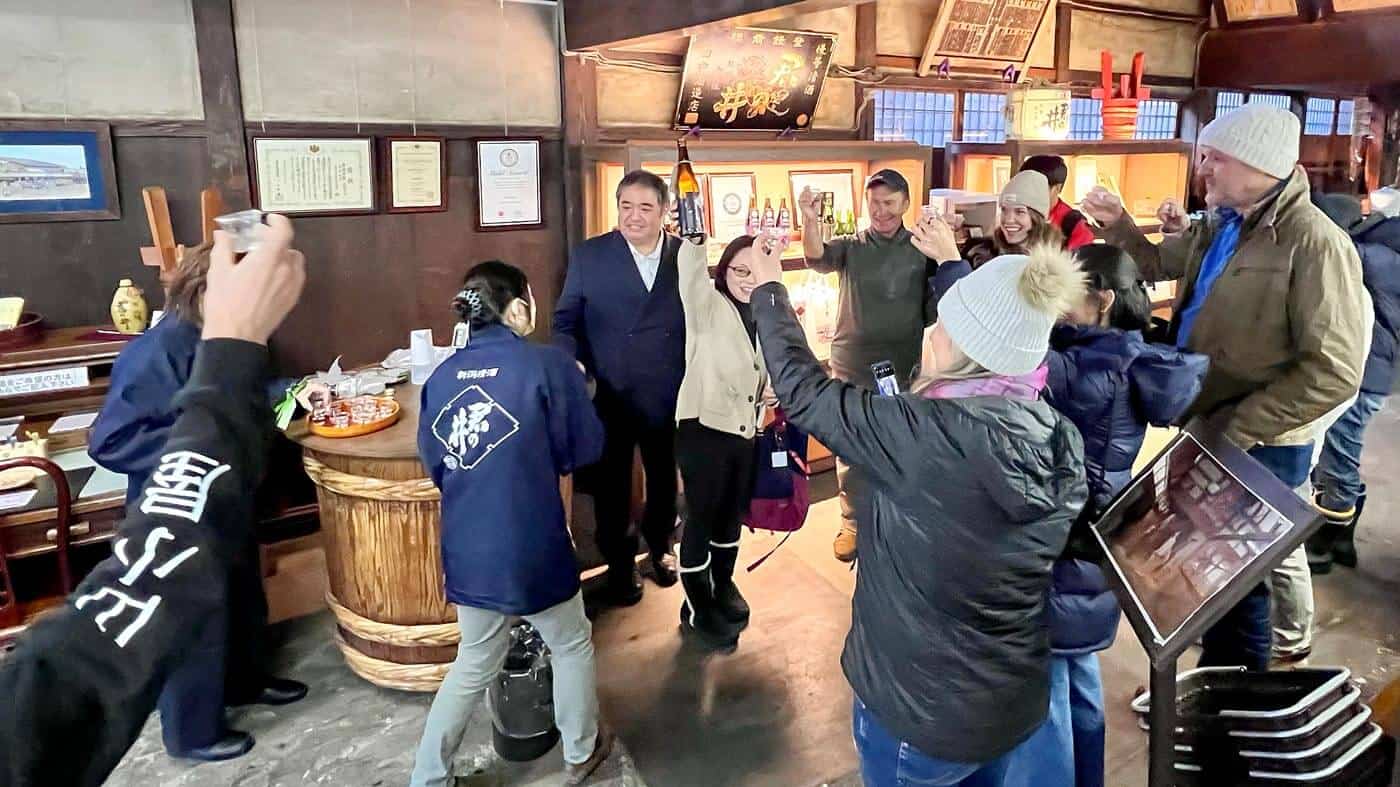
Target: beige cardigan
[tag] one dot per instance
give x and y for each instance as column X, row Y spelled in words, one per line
column 724, row 374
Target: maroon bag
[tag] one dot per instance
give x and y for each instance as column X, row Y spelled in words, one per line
column 780, row 499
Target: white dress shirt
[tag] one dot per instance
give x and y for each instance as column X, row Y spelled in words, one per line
column 648, row 264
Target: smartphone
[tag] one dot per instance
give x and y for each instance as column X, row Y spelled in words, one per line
column 885, row 381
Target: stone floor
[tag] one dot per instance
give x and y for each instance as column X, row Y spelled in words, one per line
column 776, row 713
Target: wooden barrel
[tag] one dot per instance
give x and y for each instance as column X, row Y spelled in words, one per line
column 380, row 522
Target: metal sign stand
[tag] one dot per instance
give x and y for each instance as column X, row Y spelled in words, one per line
column 1164, row 651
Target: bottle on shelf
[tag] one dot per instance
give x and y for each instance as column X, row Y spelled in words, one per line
column 784, row 215
column 751, row 226
column 691, row 212
column 770, row 219
column 828, row 215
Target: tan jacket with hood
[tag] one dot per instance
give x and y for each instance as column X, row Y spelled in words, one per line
column 1285, row 326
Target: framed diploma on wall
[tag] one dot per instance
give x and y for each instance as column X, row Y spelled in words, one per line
column 415, row 174
column 508, row 184
column 313, row 176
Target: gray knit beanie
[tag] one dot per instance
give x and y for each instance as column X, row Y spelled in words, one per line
column 1000, row 315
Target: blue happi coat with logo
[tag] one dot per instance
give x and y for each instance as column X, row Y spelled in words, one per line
column 501, row 420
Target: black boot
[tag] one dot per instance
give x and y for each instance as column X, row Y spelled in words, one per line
column 1344, row 547
column 700, row 617
column 728, row 599
column 1321, row 546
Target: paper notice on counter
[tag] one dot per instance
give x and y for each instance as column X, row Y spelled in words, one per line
column 20, row 499
column 27, row 383
column 73, row 423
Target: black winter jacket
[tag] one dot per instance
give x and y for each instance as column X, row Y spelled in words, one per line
column 82, row 681
column 971, row 503
column 1379, row 247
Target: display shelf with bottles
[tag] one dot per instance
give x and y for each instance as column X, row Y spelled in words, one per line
column 1142, row 172
column 741, row 178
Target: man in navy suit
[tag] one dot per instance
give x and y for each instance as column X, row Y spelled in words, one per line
column 620, row 316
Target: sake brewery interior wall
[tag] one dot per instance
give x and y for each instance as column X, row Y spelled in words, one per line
column 458, row 70
column 59, row 60
column 351, row 68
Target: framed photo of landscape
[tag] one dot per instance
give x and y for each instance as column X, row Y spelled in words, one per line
column 56, row 171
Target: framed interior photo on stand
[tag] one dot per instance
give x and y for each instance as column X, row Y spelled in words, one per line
column 56, row 171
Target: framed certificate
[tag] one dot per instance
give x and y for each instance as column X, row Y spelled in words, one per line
column 313, row 176
column 415, row 174
column 508, row 184
column 730, row 193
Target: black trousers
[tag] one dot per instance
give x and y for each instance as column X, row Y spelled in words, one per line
column 224, row 666
column 625, row 430
column 718, row 471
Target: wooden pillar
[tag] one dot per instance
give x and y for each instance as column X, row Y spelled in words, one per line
column 223, row 101
column 866, row 17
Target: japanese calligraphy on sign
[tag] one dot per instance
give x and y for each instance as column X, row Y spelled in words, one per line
column 753, row 79
column 999, row 30
column 25, row 383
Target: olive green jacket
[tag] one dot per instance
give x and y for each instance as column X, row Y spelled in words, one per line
column 1285, row 325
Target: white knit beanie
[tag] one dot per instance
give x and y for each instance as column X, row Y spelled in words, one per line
column 1262, row 136
column 1000, row 315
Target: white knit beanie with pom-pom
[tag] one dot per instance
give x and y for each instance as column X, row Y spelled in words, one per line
column 1000, row 315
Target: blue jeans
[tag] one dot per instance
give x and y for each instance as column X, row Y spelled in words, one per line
column 886, row 761
column 1068, row 749
column 1338, row 474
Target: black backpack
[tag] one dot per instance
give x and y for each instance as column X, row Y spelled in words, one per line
column 1070, row 223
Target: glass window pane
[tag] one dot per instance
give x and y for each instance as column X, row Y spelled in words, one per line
column 984, row 117
column 1227, row 100
column 1157, row 119
column 1085, row 118
column 1318, row 120
column 918, row 115
column 1272, row 99
column 1346, row 117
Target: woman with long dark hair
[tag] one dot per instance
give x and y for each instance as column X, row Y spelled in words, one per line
column 500, row 421
column 717, row 416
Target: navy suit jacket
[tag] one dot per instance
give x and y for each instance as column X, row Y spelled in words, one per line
column 631, row 340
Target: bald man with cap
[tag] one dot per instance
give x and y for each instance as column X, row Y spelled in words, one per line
column 881, row 313
column 1270, row 289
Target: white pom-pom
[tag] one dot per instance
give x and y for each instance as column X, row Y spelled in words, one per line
column 1051, row 282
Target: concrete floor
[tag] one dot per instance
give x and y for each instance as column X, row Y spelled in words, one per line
column 775, row 713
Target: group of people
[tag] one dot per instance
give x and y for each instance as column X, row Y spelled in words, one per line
column 1030, row 370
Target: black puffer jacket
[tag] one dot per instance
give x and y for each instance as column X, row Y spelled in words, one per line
column 971, row 502
column 1379, row 247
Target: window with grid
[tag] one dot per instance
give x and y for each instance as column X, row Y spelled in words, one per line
column 923, row 116
column 1271, row 99
column 1319, row 118
column 1346, row 117
column 1156, row 119
column 1085, row 118
column 1227, row 100
column 984, row 117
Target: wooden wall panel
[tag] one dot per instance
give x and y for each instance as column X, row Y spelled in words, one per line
column 372, row 279
column 68, row 270
column 1170, row 46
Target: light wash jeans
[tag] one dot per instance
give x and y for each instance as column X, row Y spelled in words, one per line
column 1068, row 749
column 480, row 657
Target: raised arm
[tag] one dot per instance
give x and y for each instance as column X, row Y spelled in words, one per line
column 92, row 669
column 1165, row 261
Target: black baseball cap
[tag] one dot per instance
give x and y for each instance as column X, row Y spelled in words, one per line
column 889, row 179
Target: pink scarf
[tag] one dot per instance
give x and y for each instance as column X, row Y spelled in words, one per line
column 1024, row 386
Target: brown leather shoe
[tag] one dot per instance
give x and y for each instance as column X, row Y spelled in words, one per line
column 845, row 544
column 578, row 773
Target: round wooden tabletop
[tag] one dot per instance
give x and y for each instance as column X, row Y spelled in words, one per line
column 399, row 441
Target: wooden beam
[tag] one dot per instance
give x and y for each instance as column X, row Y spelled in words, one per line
column 223, row 101
column 1297, row 56
column 1063, row 16
column 866, row 19
column 589, row 23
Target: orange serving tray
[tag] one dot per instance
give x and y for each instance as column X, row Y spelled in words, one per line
column 356, row 430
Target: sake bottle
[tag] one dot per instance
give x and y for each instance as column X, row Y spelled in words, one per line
column 129, row 312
